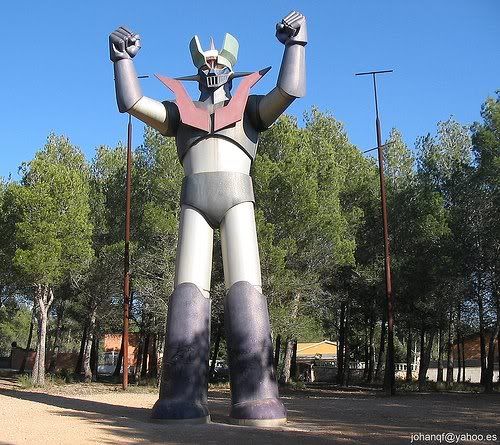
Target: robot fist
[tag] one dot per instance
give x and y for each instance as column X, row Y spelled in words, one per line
column 123, row 44
column 292, row 29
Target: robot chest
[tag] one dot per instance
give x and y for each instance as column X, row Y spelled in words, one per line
column 241, row 134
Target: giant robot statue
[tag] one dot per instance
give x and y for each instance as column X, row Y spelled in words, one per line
column 217, row 138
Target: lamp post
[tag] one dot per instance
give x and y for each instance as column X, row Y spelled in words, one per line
column 126, row 277
column 389, row 377
column 126, row 266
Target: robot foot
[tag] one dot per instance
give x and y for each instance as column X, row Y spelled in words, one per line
column 264, row 412
column 179, row 411
column 254, row 391
column 184, row 386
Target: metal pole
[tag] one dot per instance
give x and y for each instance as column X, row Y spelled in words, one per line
column 389, row 377
column 126, row 279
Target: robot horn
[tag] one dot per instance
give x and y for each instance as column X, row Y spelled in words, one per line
column 262, row 72
column 196, row 52
column 239, row 74
column 195, row 78
column 229, row 51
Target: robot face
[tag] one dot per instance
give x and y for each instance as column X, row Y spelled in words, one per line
column 214, row 67
column 215, row 75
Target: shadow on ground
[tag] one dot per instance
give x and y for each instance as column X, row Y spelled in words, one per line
column 315, row 416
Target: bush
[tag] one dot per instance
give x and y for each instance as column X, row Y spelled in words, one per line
column 25, row 381
column 297, row 385
column 66, row 375
column 431, row 386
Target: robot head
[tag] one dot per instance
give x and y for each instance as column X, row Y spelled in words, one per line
column 215, row 68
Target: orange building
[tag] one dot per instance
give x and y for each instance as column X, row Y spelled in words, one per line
column 112, row 346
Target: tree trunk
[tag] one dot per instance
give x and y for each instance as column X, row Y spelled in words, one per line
column 94, row 356
column 161, row 368
column 440, row 356
column 153, row 360
column 218, row 336
column 371, row 365
column 138, row 357
column 118, row 367
column 347, row 348
column 293, row 367
column 463, row 359
column 482, row 338
column 39, row 368
column 341, row 346
column 87, row 370
column 459, row 341
column 287, row 366
column 381, row 351
column 366, row 349
column 30, row 336
column 145, row 354
column 409, row 346
column 449, row 365
column 421, row 367
column 285, row 378
column 498, row 346
column 79, row 363
column 347, row 364
column 277, row 351
column 45, row 297
column 57, row 338
column 35, row 370
column 425, row 357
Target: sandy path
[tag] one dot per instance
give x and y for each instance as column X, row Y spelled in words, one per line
column 114, row 417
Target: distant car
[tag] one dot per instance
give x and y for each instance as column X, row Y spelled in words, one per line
column 221, row 371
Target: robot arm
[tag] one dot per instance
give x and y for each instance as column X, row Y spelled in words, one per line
column 163, row 116
column 292, row 32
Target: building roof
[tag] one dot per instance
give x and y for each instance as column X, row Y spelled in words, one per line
column 323, row 349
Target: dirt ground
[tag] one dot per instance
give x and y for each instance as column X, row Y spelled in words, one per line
column 99, row 414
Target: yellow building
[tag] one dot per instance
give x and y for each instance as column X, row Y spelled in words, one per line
column 317, row 361
column 324, row 350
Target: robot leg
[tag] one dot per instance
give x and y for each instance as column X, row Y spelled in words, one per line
column 184, row 386
column 254, row 390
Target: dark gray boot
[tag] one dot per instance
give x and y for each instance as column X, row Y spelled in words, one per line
column 254, row 391
column 184, row 386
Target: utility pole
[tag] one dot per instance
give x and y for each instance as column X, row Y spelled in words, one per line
column 126, row 278
column 389, row 376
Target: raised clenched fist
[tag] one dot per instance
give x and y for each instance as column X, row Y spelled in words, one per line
column 123, row 44
column 292, row 29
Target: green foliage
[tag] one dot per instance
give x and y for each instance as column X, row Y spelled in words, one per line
column 25, row 382
column 305, row 217
column 306, row 328
column 52, row 230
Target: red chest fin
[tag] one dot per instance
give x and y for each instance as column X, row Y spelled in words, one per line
column 190, row 114
column 234, row 110
column 223, row 117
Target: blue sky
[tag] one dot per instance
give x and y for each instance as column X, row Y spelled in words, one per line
column 56, row 75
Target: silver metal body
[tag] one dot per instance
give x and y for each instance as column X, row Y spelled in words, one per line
column 230, row 149
column 216, row 138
